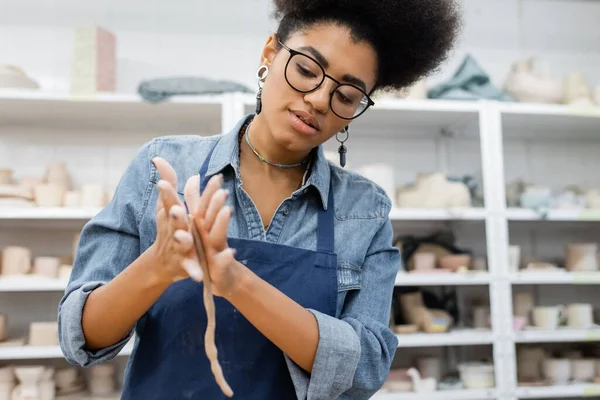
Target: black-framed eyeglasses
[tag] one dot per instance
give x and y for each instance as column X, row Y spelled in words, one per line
column 304, row 74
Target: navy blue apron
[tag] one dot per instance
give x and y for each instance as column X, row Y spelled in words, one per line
column 170, row 361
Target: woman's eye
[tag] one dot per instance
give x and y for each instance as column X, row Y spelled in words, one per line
column 343, row 98
column 305, row 71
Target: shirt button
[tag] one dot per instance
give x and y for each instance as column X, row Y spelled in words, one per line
column 286, row 211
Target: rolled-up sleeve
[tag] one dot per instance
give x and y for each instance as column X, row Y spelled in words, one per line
column 355, row 351
column 108, row 243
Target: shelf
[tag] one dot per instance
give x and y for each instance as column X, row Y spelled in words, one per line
column 31, row 284
column 197, row 114
column 439, row 395
column 43, row 352
column 425, row 214
column 522, row 214
column 547, row 121
column 462, row 337
column 555, row 278
column 552, row 392
column 561, row 335
column 446, row 279
column 43, row 213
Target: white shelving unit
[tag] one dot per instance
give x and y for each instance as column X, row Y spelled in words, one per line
column 440, row 395
column 182, row 116
column 42, row 352
column 555, row 392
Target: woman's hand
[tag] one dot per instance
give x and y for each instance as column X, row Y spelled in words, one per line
column 211, row 217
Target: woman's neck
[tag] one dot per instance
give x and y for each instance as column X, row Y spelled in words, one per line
column 263, row 142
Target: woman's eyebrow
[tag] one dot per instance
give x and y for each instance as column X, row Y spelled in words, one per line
column 325, row 64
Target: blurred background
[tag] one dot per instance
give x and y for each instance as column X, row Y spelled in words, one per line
column 491, row 163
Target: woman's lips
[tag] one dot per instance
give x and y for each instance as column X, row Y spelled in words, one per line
column 300, row 125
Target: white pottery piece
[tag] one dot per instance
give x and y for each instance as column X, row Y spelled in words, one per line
column 580, row 316
column 30, row 182
column 46, row 266
column 523, row 304
column 481, row 317
column 596, row 95
column 548, row 317
column 529, row 82
column 477, row 375
column 16, row 261
column 430, row 367
column 64, row 272
column 514, row 258
column 19, row 192
column 3, row 331
column 66, row 377
column 434, row 191
column 13, row 77
column 58, row 174
column 29, row 379
column 583, row 370
column 582, row 257
column 420, row 385
column 592, row 198
column 381, row 174
column 424, row 261
column 43, row 334
column 7, row 374
column 529, row 363
column 557, row 370
column 49, row 195
column 73, row 199
column 6, row 176
column 576, row 89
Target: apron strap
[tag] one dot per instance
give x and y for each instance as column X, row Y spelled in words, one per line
column 325, row 231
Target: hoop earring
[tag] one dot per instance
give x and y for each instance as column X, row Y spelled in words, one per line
column 261, row 75
column 342, row 149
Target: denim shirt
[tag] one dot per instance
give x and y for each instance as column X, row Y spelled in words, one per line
column 355, row 347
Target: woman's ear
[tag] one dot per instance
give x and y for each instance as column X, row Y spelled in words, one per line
column 269, row 50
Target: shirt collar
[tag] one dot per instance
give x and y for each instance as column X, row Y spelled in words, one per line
column 227, row 152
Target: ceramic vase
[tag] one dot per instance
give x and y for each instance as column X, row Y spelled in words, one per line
column 477, row 375
column 16, row 261
column 529, row 82
column 557, row 370
column 583, row 370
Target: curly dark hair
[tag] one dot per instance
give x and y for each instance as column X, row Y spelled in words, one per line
column 411, row 37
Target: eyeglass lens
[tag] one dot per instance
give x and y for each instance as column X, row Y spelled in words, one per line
column 305, row 75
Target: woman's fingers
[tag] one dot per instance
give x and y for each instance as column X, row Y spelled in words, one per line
column 191, row 194
column 218, row 233
column 216, row 204
column 167, row 195
column 177, row 219
column 165, row 170
column 192, row 267
column 213, row 185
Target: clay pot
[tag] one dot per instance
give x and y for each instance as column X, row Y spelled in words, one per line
column 582, row 257
column 43, row 334
column 72, row 199
column 455, row 261
column 477, row 375
column 6, row 176
column 3, row 330
column 16, row 261
column 557, row 370
column 46, row 266
column 49, row 195
column 583, row 370
column 58, row 174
